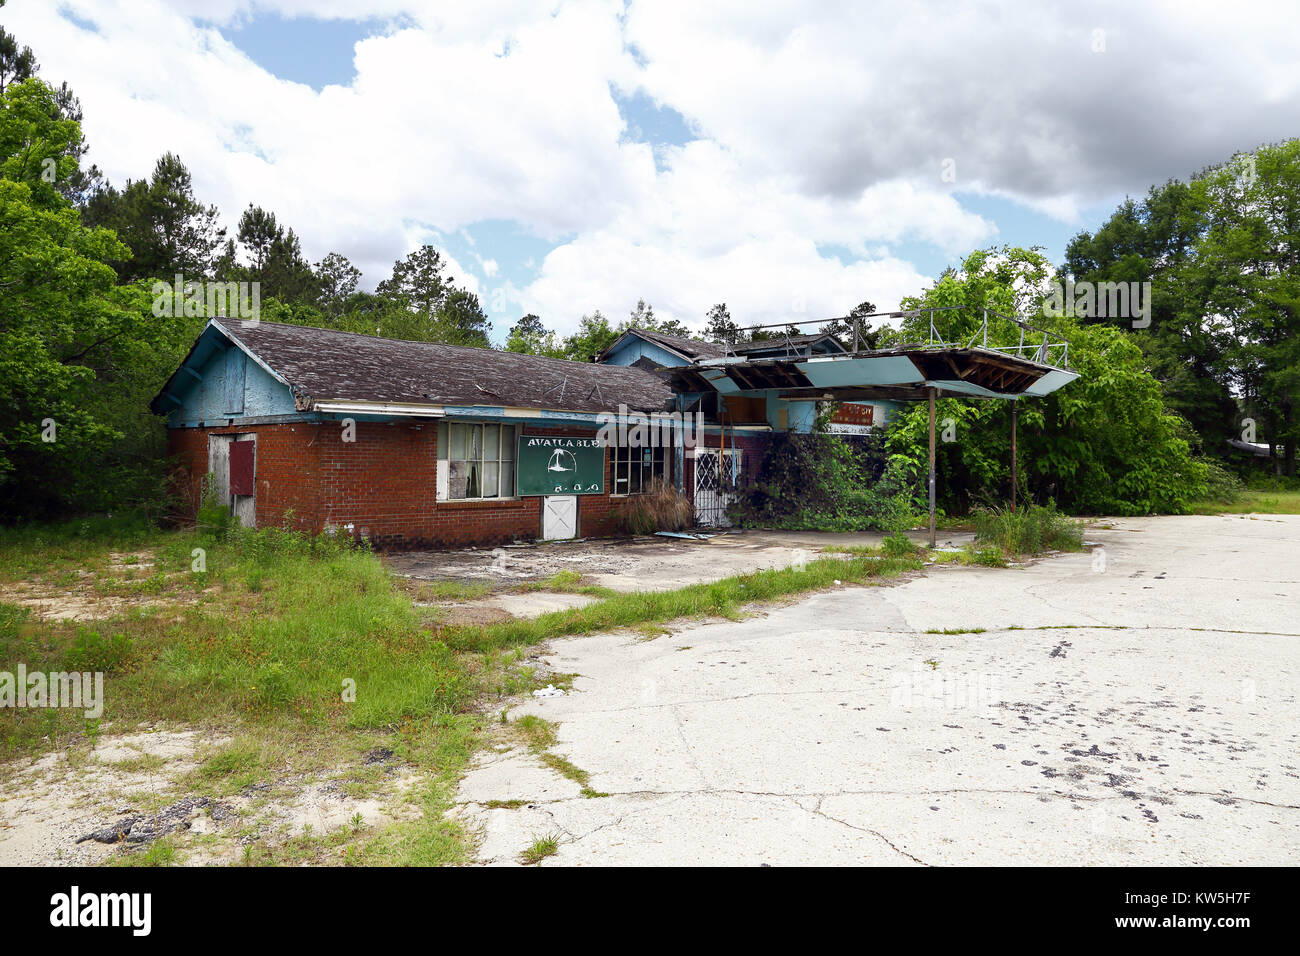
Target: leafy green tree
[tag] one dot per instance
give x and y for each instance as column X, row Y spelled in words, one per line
column 80, row 356
column 594, row 336
column 842, row 329
column 530, row 337
column 258, row 232
column 643, row 317
column 1248, row 264
column 1154, row 241
column 1104, row 444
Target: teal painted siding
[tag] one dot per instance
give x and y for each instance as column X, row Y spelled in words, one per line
column 229, row 385
column 635, row 348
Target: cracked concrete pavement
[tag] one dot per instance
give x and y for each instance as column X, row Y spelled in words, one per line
column 1132, row 705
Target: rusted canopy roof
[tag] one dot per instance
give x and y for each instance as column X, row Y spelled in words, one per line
column 323, row 365
column 904, row 373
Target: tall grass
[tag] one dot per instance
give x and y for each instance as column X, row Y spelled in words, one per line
column 1029, row 530
column 661, row 507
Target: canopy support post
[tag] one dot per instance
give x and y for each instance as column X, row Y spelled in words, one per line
column 932, row 391
column 1015, row 462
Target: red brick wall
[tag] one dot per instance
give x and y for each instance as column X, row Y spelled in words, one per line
column 383, row 483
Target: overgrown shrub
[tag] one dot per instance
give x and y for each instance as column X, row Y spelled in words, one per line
column 661, row 507
column 821, row 482
column 1221, row 484
column 898, row 545
column 214, row 518
column 1030, row 530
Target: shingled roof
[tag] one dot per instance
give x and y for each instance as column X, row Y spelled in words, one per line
column 690, row 348
column 323, row 365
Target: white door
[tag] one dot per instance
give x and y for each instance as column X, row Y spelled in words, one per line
column 716, row 474
column 559, row 517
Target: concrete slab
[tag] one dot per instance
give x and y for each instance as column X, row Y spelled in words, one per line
column 637, row 564
column 1135, row 705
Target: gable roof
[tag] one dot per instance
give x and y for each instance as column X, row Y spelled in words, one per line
column 325, row 365
column 689, row 349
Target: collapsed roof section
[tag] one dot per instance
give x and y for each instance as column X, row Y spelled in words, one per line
column 902, row 373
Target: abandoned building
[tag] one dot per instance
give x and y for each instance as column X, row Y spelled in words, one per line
column 417, row 444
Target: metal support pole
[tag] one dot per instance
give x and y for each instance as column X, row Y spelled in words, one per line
column 932, row 391
column 1014, row 460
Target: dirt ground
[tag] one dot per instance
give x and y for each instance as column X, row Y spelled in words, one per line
column 49, row 804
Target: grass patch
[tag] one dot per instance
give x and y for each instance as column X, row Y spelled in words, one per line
column 1252, row 501
column 723, row 598
column 564, row 582
column 956, row 630
column 1030, row 530
column 434, row 592
column 538, row 734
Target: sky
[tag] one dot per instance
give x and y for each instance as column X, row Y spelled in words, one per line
column 790, row 160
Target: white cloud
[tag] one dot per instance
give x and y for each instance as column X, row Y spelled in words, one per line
column 823, row 130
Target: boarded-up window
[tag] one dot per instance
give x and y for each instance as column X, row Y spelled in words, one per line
column 241, row 467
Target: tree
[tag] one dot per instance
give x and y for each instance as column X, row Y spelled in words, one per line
column 167, row 229
column 80, row 356
column 461, row 320
column 337, row 279
column 594, row 336
column 17, row 63
column 286, row 274
column 1150, row 241
column 643, row 317
column 258, row 232
column 1249, row 264
column 843, row 328
column 530, row 337
column 719, row 327
column 418, row 281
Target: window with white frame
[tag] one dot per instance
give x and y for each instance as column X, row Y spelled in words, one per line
column 633, row 468
column 475, row 461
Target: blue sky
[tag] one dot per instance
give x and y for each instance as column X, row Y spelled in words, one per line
column 569, row 156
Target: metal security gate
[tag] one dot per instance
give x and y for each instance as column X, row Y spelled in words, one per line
column 716, row 475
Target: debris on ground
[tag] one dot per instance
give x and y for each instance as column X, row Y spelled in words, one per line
column 550, row 690
column 145, row 828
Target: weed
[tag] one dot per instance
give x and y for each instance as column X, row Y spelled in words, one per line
column 542, row 847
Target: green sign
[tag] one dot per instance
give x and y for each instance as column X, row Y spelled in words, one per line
column 555, row 465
